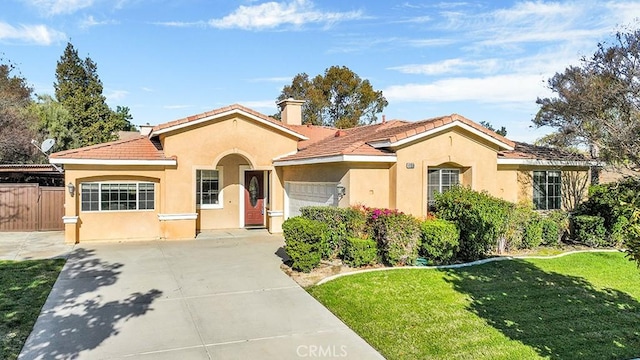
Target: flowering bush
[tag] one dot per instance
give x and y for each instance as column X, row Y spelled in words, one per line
column 397, row 235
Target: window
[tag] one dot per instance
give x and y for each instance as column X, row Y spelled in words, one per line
column 441, row 180
column 117, row 196
column 546, row 190
column 208, row 185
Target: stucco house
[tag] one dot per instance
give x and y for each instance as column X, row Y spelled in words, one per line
column 234, row 168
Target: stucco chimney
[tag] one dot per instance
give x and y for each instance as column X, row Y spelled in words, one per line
column 145, row 129
column 291, row 111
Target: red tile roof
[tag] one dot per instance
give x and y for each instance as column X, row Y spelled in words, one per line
column 356, row 141
column 219, row 111
column 139, row 148
column 313, row 133
column 533, row 152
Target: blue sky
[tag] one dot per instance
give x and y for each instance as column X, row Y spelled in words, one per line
column 165, row 59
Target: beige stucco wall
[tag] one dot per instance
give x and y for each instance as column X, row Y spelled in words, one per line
column 475, row 157
column 112, row 225
column 231, row 143
column 574, row 188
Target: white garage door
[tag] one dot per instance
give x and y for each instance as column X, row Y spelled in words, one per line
column 301, row 194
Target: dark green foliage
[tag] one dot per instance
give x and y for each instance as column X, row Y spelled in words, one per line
column 304, row 241
column 482, row 219
column 359, row 252
column 338, row 98
column 397, row 235
column 79, row 89
column 533, row 233
column 440, row 240
column 615, row 203
column 342, row 223
column 550, row 231
column 590, row 230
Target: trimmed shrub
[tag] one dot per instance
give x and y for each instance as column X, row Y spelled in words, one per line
column 517, row 220
column 620, row 231
column 440, row 240
column 590, row 230
column 341, row 223
column 533, row 233
column 304, row 241
column 397, row 236
column 550, row 231
column 481, row 218
column 359, row 252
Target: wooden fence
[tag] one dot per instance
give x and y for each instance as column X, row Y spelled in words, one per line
column 30, row 207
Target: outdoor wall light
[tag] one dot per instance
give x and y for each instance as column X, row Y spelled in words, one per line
column 72, row 189
column 342, row 191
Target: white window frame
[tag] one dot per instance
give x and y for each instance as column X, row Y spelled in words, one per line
column 101, row 183
column 220, row 203
column 430, row 201
column 545, row 189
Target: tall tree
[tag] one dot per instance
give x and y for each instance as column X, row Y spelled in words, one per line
column 54, row 121
column 16, row 126
column 79, row 89
column 338, row 98
column 597, row 103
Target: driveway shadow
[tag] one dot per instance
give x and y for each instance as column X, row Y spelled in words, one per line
column 560, row 316
column 75, row 319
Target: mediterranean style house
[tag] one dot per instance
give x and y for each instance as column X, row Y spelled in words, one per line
column 235, row 168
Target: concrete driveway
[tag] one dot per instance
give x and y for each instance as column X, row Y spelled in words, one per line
column 222, row 296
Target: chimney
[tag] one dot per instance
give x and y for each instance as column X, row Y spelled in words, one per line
column 146, row 129
column 291, row 111
column 384, row 119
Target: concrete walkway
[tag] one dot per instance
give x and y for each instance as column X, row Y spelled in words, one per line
column 33, row 245
column 221, row 296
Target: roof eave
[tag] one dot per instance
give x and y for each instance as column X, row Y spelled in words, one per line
column 338, row 158
column 127, row 162
column 387, row 143
column 543, row 162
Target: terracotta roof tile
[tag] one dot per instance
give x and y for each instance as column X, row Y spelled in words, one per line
column 221, row 111
column 139, row 148
column 534, row 152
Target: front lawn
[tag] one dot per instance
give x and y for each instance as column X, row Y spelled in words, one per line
column 579, row 306
column 24, row 287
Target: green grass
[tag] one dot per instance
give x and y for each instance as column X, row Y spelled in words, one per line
column 575, row 307
column 24, row 287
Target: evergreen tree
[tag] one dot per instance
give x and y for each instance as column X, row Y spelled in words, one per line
column 79, row 89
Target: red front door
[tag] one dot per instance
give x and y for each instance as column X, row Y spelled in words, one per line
column 254, row 198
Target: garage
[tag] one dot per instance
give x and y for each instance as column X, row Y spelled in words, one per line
column 301, row 194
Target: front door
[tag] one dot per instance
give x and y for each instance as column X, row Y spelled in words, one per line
column 254, row 198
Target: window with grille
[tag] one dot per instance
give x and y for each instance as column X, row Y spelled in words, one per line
column 547, row 193
column 208, row 186
column 117, row 196
column 439, row 181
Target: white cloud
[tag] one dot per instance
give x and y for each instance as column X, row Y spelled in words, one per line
column 38, row 34
column 90, row 21
column 449, row 66
column 181, row 23
column 147, row 89
column 512, row 88
column 116, row 95
column 273, row 14
column 57, row 7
